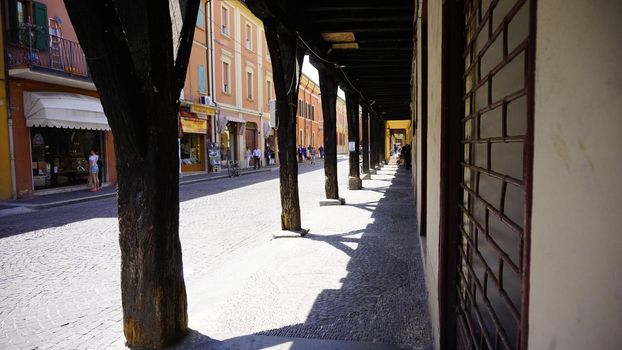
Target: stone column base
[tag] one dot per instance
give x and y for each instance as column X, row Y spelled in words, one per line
column 354, row 183
column 326, row 202
column 365, row 176
column 372, row 171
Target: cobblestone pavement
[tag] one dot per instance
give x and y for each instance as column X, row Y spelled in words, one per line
column 357, row 275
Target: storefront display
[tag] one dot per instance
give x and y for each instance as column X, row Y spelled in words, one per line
column 60, row 156
column 194, row 128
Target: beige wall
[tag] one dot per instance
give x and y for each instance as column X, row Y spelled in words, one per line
column 434, row 161
column 576, row 275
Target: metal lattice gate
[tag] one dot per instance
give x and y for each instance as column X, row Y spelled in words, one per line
column 495, row 191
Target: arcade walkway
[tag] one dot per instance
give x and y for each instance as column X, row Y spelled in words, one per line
column 356, row 277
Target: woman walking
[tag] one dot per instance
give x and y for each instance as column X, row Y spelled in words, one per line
column 93, row 170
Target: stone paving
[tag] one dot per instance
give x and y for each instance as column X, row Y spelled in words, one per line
column 356, row 276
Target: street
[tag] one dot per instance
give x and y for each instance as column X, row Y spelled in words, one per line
column 60, row 268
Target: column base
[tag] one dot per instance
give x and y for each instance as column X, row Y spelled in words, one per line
column 372, row 171
column 354, row 183
column 291, row 234
column 328, row 202
column 365, row 176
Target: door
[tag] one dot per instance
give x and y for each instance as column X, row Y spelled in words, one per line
column 495, row 172
column 251, row 138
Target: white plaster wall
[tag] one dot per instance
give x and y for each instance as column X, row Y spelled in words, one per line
column 434, row 160
column 417, row 121
column 576, row 254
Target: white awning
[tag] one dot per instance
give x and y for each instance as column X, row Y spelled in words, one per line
column 64, row 110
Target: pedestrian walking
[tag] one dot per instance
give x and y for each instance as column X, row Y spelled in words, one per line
column 267, row 155
column 312, row 153
column 321, row 149
column 93, row 170
column 304, row 153
column 300, row 158
column 257, row 157
column 247, row 157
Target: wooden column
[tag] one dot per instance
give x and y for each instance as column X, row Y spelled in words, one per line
column 365, row 145
column 286, row 62
column 139, row 70
column 328, row 86
column 352, row 110
column 373, row 144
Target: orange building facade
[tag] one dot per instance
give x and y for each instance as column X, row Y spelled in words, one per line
column 242, row 83
column 309, row 119
column 55, row 114
column 342, row 126
column 197, row 110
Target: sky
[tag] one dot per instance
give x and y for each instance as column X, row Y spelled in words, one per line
column 312, row 73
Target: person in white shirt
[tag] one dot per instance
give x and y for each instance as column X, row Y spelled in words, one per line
column 257, row 157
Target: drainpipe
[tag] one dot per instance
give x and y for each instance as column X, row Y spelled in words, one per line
column 8, row 106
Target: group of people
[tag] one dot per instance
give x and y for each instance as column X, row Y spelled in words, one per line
column 255, row 154
column 309, row 153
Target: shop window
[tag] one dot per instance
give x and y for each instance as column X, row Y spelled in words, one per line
column 60, row 156
column 190, row 148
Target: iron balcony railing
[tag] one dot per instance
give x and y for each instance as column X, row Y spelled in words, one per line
column 61, row 56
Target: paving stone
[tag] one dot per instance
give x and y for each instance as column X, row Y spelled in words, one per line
column 355, row 277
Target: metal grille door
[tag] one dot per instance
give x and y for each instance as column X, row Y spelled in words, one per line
column 493, row 200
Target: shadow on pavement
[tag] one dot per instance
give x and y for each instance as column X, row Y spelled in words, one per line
column 106, row 207
column 382, row 299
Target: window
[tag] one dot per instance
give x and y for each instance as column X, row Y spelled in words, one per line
column 249, row 85
column 225, row 21
column 225, row 77
column 269, row 90
column 300, row 139
column 300, row 108
column 201, row 16
column 202, row 79
column 249, row 35
column 312, row 112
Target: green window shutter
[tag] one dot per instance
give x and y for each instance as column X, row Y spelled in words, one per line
column 40, row 14
column 13, row 25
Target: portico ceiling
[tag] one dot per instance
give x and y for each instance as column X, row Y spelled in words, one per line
column 367, row 44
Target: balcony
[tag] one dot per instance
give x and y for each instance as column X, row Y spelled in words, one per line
column 62, row 62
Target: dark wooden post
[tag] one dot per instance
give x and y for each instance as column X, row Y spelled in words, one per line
column 381, row 142
column 352, row 110
column 139, row 70
column 365, row 121
column 328, row 86
column 286, row 63
column 373, row 144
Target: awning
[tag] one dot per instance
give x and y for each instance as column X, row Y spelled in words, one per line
column 223, row 119
column 267, row 129
column 64, row 110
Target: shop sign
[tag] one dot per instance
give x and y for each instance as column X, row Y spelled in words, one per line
column 193, row 126
column 202, row 109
